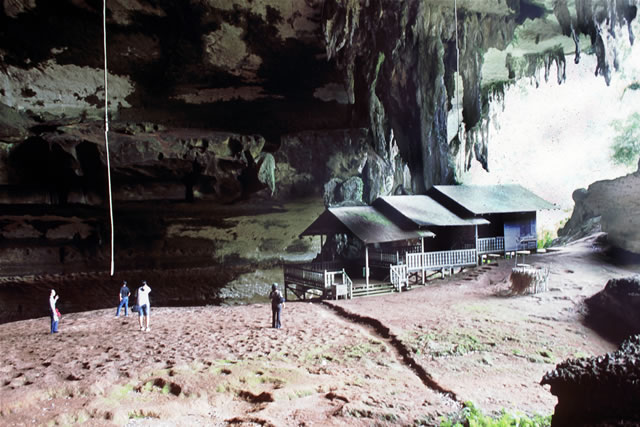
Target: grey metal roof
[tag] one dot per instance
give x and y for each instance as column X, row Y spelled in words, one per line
column 365, row 222
column 424, row 211
column 488, row 199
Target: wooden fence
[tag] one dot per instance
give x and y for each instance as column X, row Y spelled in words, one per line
column 318, row 276
column 384, row 257
column 490, row 244
column 441, row 259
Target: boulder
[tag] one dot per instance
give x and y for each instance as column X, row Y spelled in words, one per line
column 598, row 391
column 615, row 311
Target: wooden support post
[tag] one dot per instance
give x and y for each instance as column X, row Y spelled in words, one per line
column 477, row 249
column 422, row 249
column 366, row 264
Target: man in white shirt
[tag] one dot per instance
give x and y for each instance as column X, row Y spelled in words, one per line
column 53, row 298
column 145, row 306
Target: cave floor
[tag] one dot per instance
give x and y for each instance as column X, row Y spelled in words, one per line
column 403, row 358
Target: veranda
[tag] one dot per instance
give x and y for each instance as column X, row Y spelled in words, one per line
column 405, row 266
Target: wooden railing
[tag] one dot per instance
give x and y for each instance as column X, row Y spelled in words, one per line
column 490, row 244
column 316, row 275
column 339, row 282
column 304, row 274
column 384, row 257
column 441, row 259
column 399, row 275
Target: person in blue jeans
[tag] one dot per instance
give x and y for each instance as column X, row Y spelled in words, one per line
column 277, row 304
column 53, row 298
column 124, row 299
column 145, row 306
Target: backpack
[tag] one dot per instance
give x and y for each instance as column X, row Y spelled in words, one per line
column 276, row 297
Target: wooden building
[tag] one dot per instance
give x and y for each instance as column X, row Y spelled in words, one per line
column 511, row 210
column 367, row 225
column 401, row 239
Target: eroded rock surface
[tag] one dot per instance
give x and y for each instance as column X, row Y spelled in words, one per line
column 615, row 311
column 614, row 205
column 598, row 391
column 225, row 112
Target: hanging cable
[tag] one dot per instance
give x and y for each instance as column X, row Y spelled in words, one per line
column 455, row 13
column 106, row 127
column 457, row 85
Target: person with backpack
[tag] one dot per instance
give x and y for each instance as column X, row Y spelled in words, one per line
column 277, row 304
column 124, row 299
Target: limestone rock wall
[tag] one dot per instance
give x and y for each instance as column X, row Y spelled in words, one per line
column 225, row 112
column 615, row 205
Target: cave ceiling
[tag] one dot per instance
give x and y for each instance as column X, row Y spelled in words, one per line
column 280, row 67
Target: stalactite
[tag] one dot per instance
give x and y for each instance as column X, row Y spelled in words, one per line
column 529, row 65
column 404, row 51
column 600, row 20
column 401, row 54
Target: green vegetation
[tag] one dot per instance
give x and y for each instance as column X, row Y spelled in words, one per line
column 299, row 394
column 455, row 344
column 120, row 392
column 545, row 240
column 359, row 351
column 473, row 417
column 626, row 143
column 143, row 414
column 580, row 355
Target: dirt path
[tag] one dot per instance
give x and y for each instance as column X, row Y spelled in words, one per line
column 405, row 358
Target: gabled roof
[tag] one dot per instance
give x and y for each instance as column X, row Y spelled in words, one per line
column 491, row 199
column 365, row 222
column 423, row 211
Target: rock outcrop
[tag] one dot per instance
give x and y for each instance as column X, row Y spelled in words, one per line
column 615, row 311
column 598, row 391
column 611, row 204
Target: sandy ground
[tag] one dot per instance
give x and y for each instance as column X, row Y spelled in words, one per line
column 406, row 358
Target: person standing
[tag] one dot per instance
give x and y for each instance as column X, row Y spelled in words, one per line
column 124, row 299
column 144, row 305
column 53, row 299
column 277, row 304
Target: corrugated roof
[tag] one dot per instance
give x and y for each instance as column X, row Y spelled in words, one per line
column 488, row 199
column 424, row 211
column 365, row 222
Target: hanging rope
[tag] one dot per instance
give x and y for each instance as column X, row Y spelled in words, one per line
column 455, row 13
column 106, row 127
column 457, row 85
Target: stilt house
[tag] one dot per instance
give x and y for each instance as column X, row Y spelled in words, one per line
column 461, row 223
column 511, row 211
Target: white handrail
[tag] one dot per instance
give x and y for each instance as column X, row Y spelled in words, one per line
column 399, row 275
column 441, row 259
column 490, row 244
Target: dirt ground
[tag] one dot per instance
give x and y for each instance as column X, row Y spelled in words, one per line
column 408, row 358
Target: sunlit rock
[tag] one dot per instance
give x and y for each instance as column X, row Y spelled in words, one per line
column 615, row 205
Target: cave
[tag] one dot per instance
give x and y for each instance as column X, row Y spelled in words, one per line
column 190, row 144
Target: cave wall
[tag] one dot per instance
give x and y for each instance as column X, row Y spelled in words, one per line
column 610, row 205
column 225, row 112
